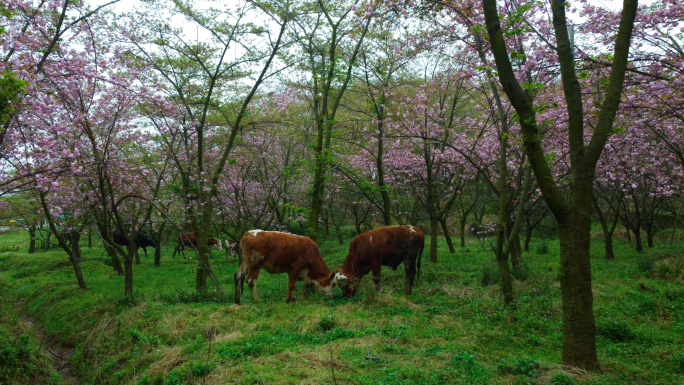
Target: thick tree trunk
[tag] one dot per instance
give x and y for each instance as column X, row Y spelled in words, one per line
column 629, row 234
column 447, row 236
column 137, row 256
column 579, row 339
column 90, row 237
column 32, row 242
column 434, row 232
column 637, row 238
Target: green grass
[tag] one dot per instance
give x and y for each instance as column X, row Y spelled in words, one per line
column 450, row 330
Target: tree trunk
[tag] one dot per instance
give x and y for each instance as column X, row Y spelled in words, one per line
column 327, row 227
column 338, row 230
column 608, row 245
column 203, row 266
column 116, row 262
column 157, row 255
column 447, row 236
column 462, row 225
column 629, row 234
column 32, row 242
column 137, row 256
column 528, row 237
column 158, row 240
column 504, row 269
column 434, row 231
column 649, row 234
column 128, row 272
column 90, row 237
column 77, row 269
column 607, row 233
column 75, row 257
column 76, row 244
column 637, row 238
column 579, row 339
column 516, row 253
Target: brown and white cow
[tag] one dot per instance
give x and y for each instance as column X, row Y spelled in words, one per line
column 384, row 246
column 232, row 249
column 276, row 252
column 189, row 240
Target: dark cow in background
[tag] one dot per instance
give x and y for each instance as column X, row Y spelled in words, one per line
column 276, row 252
column 188, row 240
column 385, row 246
column 141, row 240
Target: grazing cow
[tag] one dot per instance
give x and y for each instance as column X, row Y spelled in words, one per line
column 232, row 249
column 188, row 240
column 276, row 252
column 385, row 246
column 141, row 240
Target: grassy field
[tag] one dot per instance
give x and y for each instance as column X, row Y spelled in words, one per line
column 452, row 329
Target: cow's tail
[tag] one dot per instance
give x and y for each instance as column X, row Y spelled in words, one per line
column 420, row 256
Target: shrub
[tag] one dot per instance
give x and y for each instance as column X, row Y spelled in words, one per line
column 616, row 331
column 490, row 275
column 679, row 362
column 326, row 323
column 562, row 379
column 200, row 369
column 524, row 367
column 542, row 248
column 645, row 264
column 669, row 268
column 520, row 273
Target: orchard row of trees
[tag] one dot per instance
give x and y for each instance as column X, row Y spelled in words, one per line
column 295, row 115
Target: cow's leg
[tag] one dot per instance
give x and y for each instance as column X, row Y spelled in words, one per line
column 410, row 270
column 252, row 278
column 239, row 284
column 175, row 250
column 357, row 285
column 376, row 276
column 292, row 281
column 145, row 251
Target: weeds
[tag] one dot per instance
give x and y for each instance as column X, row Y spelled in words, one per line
column 448, row 331
column 524, row 367
column 542, row 248
column 615, row 331
column 562, row 379
column 490, row 276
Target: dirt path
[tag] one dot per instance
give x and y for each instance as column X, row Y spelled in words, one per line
column 60, row 354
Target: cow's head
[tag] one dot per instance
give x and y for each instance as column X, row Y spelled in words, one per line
column 346, row 282
column 146, row 242
column 214, row 243
column 325, row 285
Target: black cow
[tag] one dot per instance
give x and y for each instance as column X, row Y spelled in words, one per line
column 141, row 241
